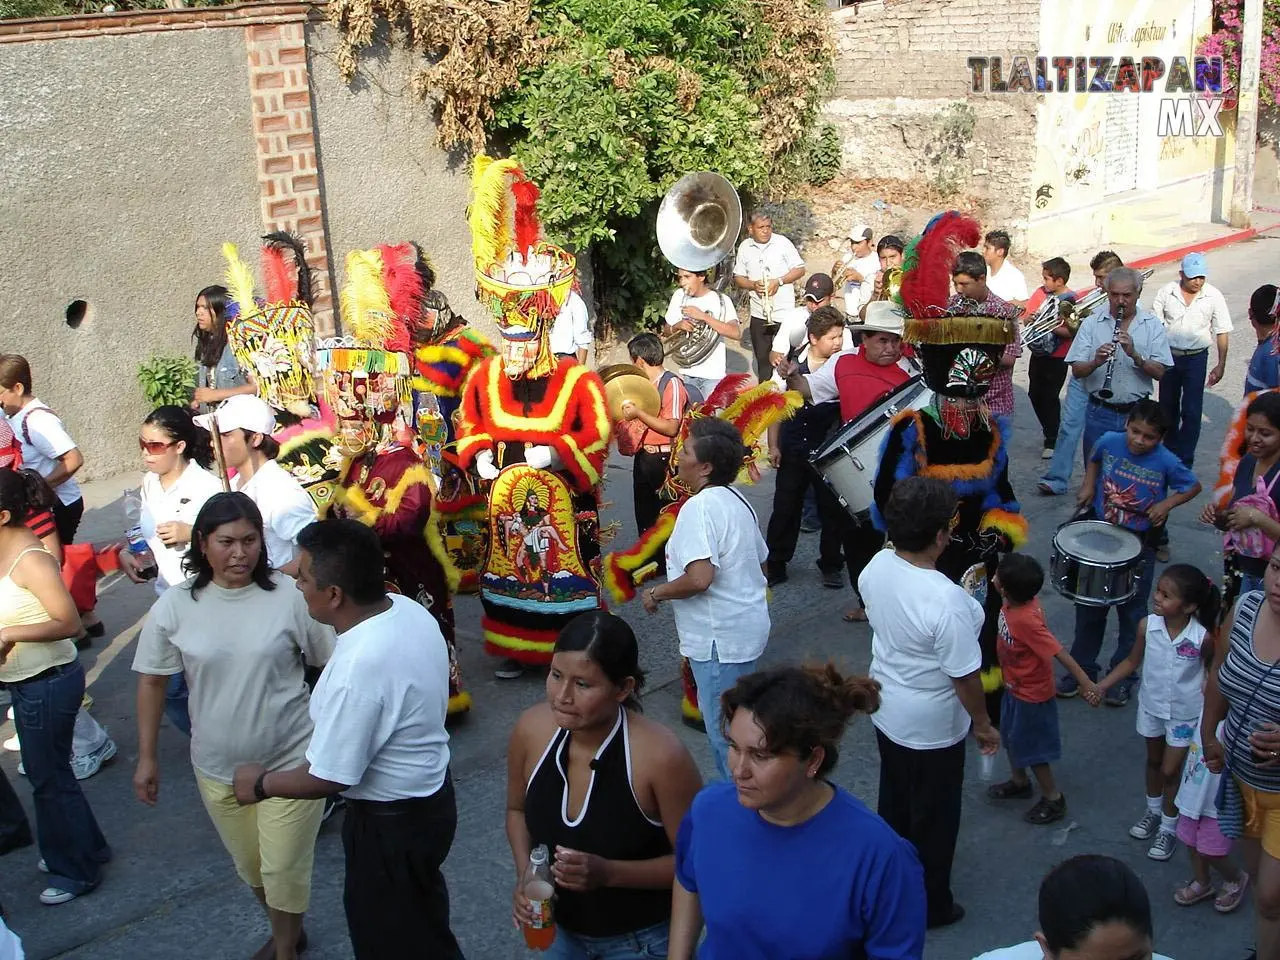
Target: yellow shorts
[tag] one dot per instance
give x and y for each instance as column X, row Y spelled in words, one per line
column 1261, row 817
column 272, row 843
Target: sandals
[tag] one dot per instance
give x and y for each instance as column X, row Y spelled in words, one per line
column 1047, row 811
column 1009, row 791
column 1232, row 894
column 1194, row 892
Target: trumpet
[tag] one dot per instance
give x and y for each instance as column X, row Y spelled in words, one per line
column 766, row 301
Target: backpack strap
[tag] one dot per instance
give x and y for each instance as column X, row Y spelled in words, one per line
column 26, row 421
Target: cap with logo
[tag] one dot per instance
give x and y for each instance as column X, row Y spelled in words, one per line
column 818, row 287
column 1193, row 265
column 860, row 231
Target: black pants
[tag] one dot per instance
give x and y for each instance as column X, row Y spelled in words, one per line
column 790, row 484
column 66, row 517
column 1046, row 375
column 761, row 345
column 648, row 473
column 859, row 538
column 395, row 896
column 920, row 792
column 15, row 830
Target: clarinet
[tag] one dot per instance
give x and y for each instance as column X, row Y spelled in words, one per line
column 1106, row 393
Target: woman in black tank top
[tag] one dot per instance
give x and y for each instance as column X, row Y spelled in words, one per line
column 605, row 789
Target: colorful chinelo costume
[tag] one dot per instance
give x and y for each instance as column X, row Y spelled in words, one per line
column 956, row 438
column 384, row 483
column 752, row 411
column 536, row 428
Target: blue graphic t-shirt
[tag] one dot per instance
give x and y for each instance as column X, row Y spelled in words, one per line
column 1128, row 485
column 1264, row 368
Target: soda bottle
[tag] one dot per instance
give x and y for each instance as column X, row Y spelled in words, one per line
column 538, row 887
column 147, row 568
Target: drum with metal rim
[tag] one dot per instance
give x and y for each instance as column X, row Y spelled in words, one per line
column 849, row 460
column 1095, row 563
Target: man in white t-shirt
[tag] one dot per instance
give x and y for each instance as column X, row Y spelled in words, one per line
column 380, row 739
column 858, row 267
column 571, row 332
column 1003, row 278
column 793, row 324
column 696, row 303
column 925, row 655
column 767, row 264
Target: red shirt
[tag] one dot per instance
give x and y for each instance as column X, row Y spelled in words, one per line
column 1026, row 648
column 1037, row 298
column 40, row 523
column 861, row 383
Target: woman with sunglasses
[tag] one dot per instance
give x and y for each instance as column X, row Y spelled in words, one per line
column 175, row 454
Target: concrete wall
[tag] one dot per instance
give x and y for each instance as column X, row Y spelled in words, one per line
column 902, row 63
column 383, row 177
column 124, row 164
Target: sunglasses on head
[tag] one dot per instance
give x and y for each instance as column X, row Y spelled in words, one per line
column 154, row 446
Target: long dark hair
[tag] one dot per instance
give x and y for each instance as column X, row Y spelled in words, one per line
column 1194, row 587
column 211, row 343
column 1086, row 892
column 609, row 643
column 177, row 423
column 21, row 492
column 220, row 509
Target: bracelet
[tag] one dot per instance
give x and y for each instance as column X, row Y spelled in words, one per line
column 653, row 595
column 259, row 786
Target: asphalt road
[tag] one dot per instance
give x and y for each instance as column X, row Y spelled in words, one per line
column 171, row 890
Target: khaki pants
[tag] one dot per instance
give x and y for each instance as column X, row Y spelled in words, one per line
column 272, row 843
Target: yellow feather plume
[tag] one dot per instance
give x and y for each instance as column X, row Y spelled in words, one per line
column 490, row 215
column 239, row 279
column 366, row 306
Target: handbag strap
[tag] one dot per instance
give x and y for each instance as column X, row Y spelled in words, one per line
column 1248, row 706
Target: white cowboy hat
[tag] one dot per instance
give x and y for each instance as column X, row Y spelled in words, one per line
column 883, row 316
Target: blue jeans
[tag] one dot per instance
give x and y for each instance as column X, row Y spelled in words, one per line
column 809, row 511
column 714, row 678
column 705, row 385
column 1097, row 421
column 44, row 712
column 1091, row 623
column 1070, row 430
column 640, row 945
column 175, row 703
column 1182, row 396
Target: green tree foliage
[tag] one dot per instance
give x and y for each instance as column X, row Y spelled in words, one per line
column 168, row 380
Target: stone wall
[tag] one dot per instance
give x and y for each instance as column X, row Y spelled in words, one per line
column 902, row 85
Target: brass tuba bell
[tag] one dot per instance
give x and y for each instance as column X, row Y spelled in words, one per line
column 698, row 226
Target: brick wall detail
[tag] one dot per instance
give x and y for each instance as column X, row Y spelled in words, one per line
column 288, row 174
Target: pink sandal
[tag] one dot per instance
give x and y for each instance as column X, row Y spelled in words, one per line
column 1232, row 894
column 1192, row 893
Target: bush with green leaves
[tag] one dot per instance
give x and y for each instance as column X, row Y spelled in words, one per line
column 168, row 380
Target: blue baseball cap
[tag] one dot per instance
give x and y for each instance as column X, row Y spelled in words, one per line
column 1193, row 265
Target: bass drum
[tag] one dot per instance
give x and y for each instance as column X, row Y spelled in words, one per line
column 848, row 461
column 1095, row 563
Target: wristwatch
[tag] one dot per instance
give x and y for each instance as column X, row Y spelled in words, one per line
column 259, row 790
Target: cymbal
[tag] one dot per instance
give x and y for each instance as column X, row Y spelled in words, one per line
column 625, row 381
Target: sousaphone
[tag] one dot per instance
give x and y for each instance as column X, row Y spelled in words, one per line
column 698, row 226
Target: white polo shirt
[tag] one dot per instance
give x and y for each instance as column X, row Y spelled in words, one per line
column 719, row 306
column 571, row 331
column 179, row 504
column 857, row 294
column 718, row 524
column 779, row 257
column 793, row 331
column 380, row 706
column 1008, row 283
column 286, row 508
column 44, row 440
column 1194, row 325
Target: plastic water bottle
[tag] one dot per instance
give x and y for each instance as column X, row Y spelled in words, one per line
column 538, row 887
column 147, row 568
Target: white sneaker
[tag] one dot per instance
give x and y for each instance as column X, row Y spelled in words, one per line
column 52, row 896
column 42, row 866
column 1046, row 453
column 1164, row 846
column 85, row 767
column 22, row 771
column 1147, row 827
column 12, row 744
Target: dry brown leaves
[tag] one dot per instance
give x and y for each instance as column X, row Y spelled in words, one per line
column 833, row 196
column 800, row 51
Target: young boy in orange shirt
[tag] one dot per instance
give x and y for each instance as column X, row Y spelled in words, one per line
column 1029, row 713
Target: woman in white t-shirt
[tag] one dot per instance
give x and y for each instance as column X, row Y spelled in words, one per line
column 242, row 634
column 925, row 655
column 696, row 303
column 718, row 597
column 245, row 425
column 1090, row 906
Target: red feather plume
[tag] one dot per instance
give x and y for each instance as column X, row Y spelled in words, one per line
column 281, row 285
column 725, row 392
column 526, row 217
column 926, row 289
column 404, row 283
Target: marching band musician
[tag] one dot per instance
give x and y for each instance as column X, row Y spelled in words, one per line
column 858, row 268
column 857, row 379
column 792, row 335
column 695, row 302
column 767, row 265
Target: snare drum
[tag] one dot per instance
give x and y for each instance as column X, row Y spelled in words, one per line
column 848, row 461
column 1094, row 563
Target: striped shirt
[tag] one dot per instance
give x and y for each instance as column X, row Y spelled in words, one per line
column 1252, row 689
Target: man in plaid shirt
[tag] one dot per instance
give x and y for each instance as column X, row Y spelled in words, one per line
column 969, row 275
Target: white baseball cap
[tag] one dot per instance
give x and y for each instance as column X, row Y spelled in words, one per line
column 860, row 231
column 242, row 412
column 883, row 316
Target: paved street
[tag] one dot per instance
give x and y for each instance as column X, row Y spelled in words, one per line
column 171, row 890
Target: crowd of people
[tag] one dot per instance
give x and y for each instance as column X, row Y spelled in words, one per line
column 275, row 644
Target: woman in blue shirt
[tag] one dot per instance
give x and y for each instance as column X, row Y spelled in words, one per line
column 780, row 862
column 219, row 376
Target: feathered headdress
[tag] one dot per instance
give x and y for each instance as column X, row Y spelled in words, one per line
column 489, row 215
